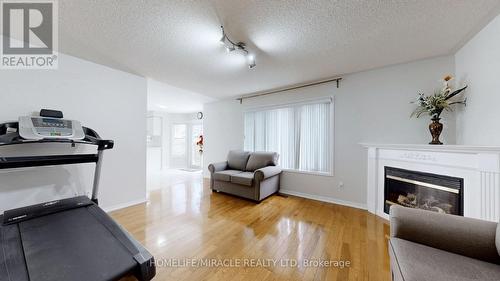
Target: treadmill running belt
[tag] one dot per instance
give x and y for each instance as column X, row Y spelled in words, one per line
column 72, row 246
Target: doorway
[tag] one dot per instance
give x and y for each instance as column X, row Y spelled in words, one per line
column 154, row 143
column 174, row 151
column 196, row 146
column 178, row 158
column 186, row 151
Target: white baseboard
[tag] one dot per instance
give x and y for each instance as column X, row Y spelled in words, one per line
column 124, row 205
column 325, row 199
column 284, row 191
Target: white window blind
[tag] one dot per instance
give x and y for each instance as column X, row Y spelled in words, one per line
column 300, row 133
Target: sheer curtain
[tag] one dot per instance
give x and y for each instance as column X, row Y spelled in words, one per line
column 314, row 137
column 299, row 133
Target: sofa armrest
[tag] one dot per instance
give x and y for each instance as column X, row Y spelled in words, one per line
column 267, row 172
column 460, row 235
column 216, row 167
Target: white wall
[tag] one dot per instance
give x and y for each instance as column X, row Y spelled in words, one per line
column 166, row 98
column 110, row 101
column 478, row 65
column 370, row 106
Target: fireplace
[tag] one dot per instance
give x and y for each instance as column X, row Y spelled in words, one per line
column 419, row 190
column 476, row 167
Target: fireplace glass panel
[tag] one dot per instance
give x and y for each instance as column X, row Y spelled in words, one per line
column 438, row 193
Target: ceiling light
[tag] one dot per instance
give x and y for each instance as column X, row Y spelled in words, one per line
column 224, row 40
column 251, row 60
column 240, row 46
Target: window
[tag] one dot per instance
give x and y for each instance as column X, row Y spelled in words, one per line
column 300, row 133
column 179, row 140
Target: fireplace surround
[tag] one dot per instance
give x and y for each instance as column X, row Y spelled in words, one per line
column 477, row 167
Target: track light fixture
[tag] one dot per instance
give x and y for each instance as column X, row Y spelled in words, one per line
column 240, row 46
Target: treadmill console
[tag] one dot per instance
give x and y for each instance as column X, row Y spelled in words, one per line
column 36, row 128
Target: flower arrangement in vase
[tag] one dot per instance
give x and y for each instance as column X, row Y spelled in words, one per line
column 435, row 104
column 199, row 143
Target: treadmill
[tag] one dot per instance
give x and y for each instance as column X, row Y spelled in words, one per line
column 70, row 239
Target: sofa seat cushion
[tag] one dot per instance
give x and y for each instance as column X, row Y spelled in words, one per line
column 245, row 178
column 225, row 175
column 237, row 159
column 259, row 160
column 416, row 262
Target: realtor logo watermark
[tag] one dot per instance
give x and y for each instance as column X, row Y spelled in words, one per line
column 30, row 34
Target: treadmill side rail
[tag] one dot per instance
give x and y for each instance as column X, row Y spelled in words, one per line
column 12, row 263
column 146, row 270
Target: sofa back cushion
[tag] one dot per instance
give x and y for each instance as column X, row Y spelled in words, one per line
column 464, row 236
column 237, row 159
column 497, row 239
column 259, row 160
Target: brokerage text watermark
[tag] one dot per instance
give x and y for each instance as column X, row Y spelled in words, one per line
column 249, row 262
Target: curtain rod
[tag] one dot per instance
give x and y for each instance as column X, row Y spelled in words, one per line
column 294, row 87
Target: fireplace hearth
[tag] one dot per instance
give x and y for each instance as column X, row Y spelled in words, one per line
column 438, row 193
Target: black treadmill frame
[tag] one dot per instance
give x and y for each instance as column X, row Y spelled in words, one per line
column 9, row 135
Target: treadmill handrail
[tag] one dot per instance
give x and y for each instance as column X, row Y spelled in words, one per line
column 48, row 160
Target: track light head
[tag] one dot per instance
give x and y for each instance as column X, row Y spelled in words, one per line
column 223, row 38
column 251, row 60
column 230, row 46
column 225, row 41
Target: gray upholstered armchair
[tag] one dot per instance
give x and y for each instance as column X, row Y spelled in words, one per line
column 252, row 175
column 429, row 246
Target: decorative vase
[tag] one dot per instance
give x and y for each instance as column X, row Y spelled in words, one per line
column 435, row 128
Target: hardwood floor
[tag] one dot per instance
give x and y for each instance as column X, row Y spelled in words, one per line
column 185, row 222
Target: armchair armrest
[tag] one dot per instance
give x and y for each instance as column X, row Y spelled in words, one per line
column 460, row 235
column 216, row 167
column 267, row 172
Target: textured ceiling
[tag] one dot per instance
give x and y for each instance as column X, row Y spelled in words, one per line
column 176, row 42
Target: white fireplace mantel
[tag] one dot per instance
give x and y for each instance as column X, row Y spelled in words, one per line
column 479, row 166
